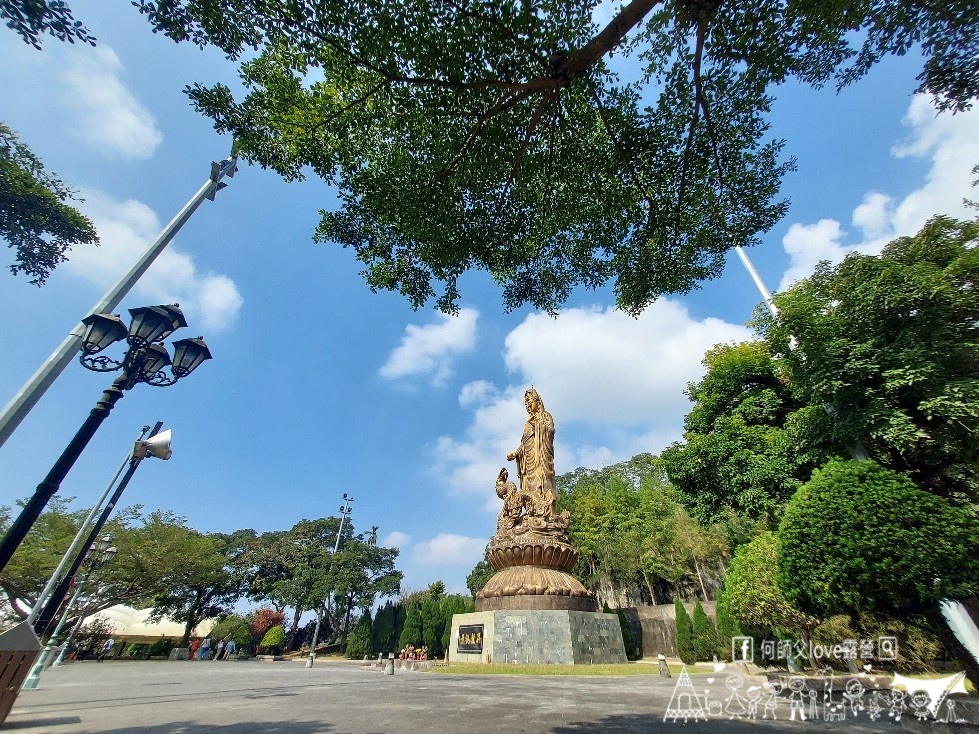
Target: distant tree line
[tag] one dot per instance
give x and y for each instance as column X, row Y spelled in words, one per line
column 188, row 576
column 419, row 619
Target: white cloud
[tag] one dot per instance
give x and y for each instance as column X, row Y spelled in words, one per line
column 430, row 349
column 601, row 366
column 84, row 97
column 396, row 539
column 449, row 549
column 873, row 215
column 951, row 142
column 105, row 114
column 209, row 300
column 809, row 244
column 614, row 384
column 476, row 393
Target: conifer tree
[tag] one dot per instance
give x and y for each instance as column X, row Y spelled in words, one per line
column 412, row 632
column 400, row 617
column 433, row 625
column 684, row 634
column 359, row 641
column 727, row 627
column 632, row 643
column 383, row 632
column 704, row 634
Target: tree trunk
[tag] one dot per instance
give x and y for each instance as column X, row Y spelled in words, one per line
column 700, row 577
column 291, row 639
column 346, row 619
column 192, row 619
column 629, row 17
column 940, row 626
column 806, row 635
column 188, row 628
column 649, row 588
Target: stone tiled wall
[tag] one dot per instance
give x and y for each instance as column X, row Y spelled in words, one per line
column 659, row 627
column 597, row 638
column 543, row 637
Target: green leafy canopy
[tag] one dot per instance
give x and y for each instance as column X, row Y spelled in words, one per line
column 35, row 218
column 31, row 19
column 890, row 344
column 501, row 136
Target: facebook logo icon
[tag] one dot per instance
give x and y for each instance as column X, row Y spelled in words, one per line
column 742, row 649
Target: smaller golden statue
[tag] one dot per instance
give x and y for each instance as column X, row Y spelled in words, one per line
column 513, row 505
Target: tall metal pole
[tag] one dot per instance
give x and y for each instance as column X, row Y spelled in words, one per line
column 759, row 283
column 74, row 630
column 344, row 511
column 82, row 531
column 25, row 399
column 43, row 620
column 97, row 560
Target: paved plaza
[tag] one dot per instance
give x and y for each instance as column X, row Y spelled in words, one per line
column 343, row 698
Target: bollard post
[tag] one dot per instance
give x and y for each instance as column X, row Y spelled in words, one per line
column 389, row 668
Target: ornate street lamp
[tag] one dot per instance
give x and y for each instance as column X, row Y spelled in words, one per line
column 144, row 361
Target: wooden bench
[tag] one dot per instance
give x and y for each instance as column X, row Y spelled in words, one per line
column 19, row 648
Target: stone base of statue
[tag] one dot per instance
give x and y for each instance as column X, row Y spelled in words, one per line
column 536, row 637
column 533, row 611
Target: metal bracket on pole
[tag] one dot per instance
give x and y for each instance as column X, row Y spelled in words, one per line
column 25, row 398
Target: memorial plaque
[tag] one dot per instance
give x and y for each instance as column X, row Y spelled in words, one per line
column 471, row 638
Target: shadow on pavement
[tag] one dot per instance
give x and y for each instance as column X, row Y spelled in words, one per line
column 51, row 721
column 239, row 727
column 644, row 723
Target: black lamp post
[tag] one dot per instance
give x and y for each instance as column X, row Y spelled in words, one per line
column 142, row 449
column 143, row 361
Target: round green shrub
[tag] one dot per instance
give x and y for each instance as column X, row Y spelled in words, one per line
column 273, row 640
column 862, row 538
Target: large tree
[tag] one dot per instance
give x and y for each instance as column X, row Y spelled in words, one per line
column 35, row 217
column 743, row 450
column 205, row 586
column 631, row 531
column 360, row 574
column 154, row 550
column 755, row 599
column 286, row 567
column 890, row 345
column 528, row 140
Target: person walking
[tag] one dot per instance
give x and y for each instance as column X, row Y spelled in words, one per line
column 230, row 649
column 107, row 648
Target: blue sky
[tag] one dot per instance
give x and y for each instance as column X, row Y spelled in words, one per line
column 320, row 387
